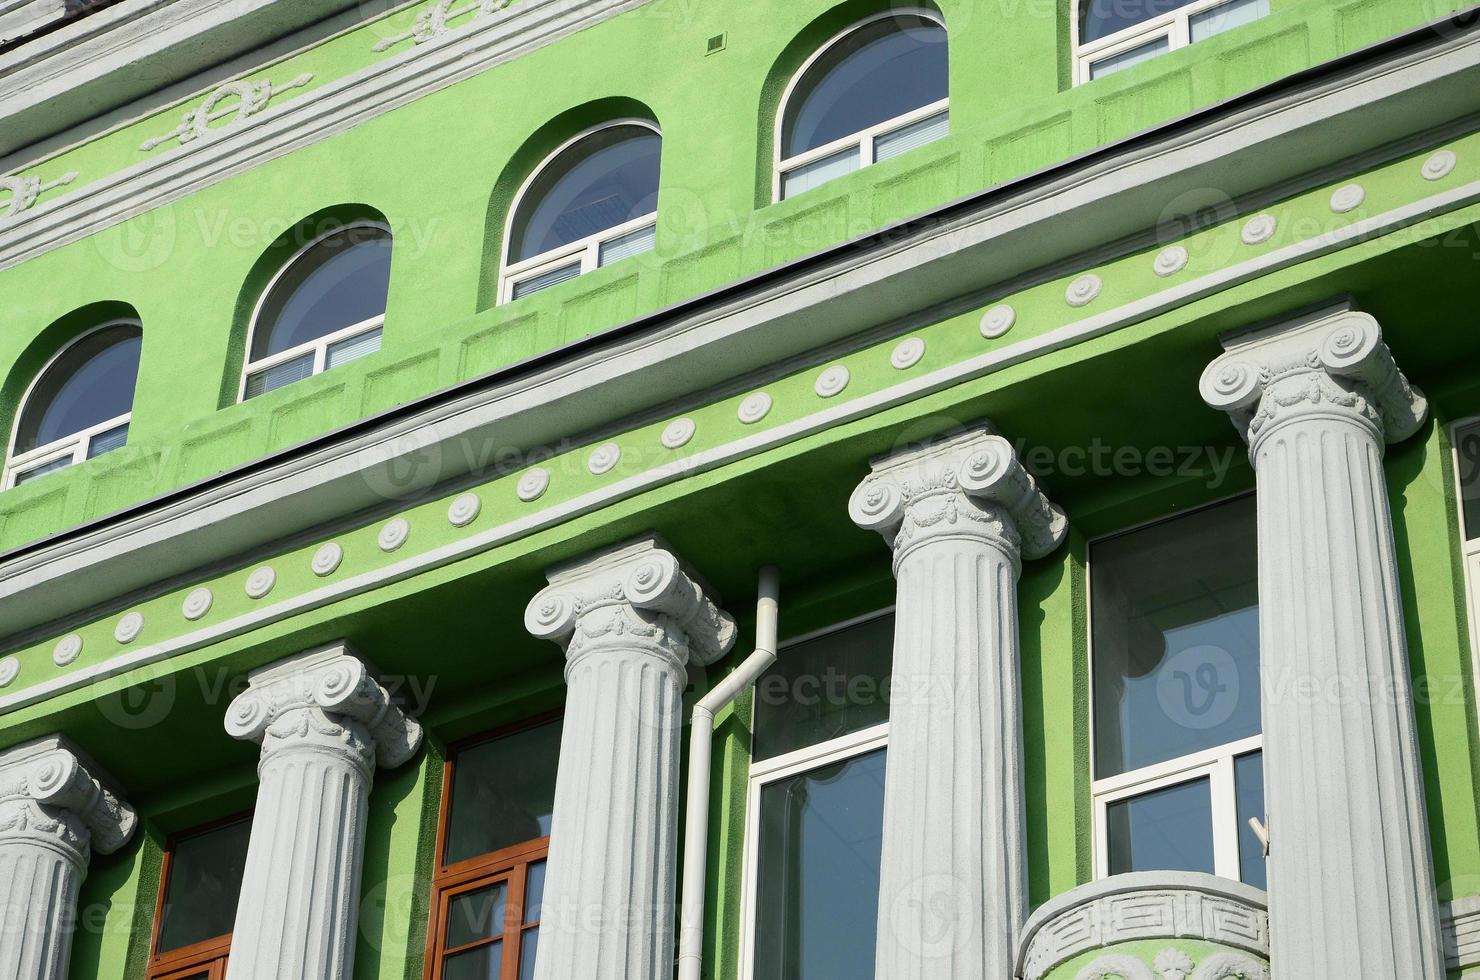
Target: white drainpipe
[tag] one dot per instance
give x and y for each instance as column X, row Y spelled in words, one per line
column 701, row 747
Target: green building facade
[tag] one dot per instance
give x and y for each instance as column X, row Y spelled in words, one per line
column 624, row 489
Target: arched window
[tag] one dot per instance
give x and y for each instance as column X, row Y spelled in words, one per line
column 871, row 93
column 1115, row 34
column 323, row 308
column 79, row 405
column 592, row 202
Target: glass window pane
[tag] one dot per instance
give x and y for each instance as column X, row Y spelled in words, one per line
column 825, row 688
column 352, row 348
column 279, row 375
column 632, row 243
column 528, row 949
column 1165, row 830
column 1126, row 59
column 607, row 179
column 1248, row 771
column 91, row 382
column 916, row 134
column 50, row 466
column 205, row 881
column 545, row 280
column 107, row 441
column 819, row 172
column 483, row 963
column 1176, row 638
column 879, row 72
column 340, row 281
column 820, row 838
column 1469, row 480
column 1225, row 17
column 503, row 792
column 1101, row 18
column 534, row 892
column 476, row 915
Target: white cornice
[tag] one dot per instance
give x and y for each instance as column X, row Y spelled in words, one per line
column 1027, row 232
column 332, row 108
column 122, row 52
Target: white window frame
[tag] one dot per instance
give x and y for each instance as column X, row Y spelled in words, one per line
column 1175, row 26
column 864, row 140
column 71, row 447
column 586, row 251
column 1216, row 763
column 784, row 766
column 320, row 345
column 1468, row 548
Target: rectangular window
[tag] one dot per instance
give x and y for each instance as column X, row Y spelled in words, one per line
column 1466, row 438
column 498, row 800
column 199, row 886
column 1116, row 36
column 816, row 805
column 1178, row 769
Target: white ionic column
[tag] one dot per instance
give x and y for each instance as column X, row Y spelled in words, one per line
column 55, row 807
column 1351, row 886
column 953, row 888
column 323, row 724
column 630, row 620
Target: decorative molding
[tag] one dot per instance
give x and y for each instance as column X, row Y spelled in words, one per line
column 197, row 604
column 308, row 701
column 1348, row 198
column 251, row 99
column 53, row 794
column 640, row 588
column 129, row 627
column 1145, row 906
column 1170, row 261
column 1259, row 229
column 393, row 534
column 603, row 458
column 1334, row 360
column 24, row 190
column 1084, row 290
column 832, row 381
column 1440, row 165
column 261, row 582
column 1174, row 964
column 27, row 591
column 677, row 433
column 464, row 510
column 907, row 353
column 10, row 668
column 327, row 559
column 754, row 408
column 67, row 650
column 998, row 320
column 942, row 488
column 433, row 22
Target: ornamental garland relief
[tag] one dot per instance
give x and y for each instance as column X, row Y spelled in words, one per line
column 433, row 22
column 250, row 98
column 26, row 188
column 1174, row 964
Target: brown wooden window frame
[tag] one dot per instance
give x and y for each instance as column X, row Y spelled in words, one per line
column 208, row 956
column 509, row 865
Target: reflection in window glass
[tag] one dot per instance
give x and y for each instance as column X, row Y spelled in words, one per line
column 817, row 903
column 824, row 688
column 881, row 71
column 1249, row 782
column 1225, row 17
column 503, row 792
column 90, row 383
column 1129, row 58
column 205, row 880
column 1164, row 830
column 1176, row 638
column 1101, row 18
column 1468, row 451
column 340, row 281
column 605, row 180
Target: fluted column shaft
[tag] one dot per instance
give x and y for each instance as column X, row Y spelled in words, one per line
column 630, row 620
column 53, row 811
column 953, row 882
column 1351, row 885
column 323, row 725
